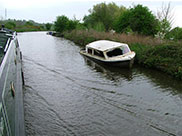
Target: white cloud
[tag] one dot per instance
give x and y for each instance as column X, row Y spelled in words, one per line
column 23, row 4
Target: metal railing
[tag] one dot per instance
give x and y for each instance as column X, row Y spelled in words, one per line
column 11, row 94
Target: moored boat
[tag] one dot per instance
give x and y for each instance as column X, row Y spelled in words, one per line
column 109, row 53
column 11, row 85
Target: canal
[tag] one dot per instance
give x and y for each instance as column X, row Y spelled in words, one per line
column 65, row 94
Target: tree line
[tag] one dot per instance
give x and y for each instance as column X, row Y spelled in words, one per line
column 133, row 20
column 23, row 25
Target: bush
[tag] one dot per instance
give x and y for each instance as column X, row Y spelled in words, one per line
column 10, row 25
column 174, row 34
column 139, row 19
column 64, row 24
column 122, row 23
column 99, row 27
column 166, row 57
column 102, row 16
column 61, row 24
column 48, row 26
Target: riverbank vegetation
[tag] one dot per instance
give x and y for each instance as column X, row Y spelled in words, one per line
column 25, row 26
column 150, row 36
column 150, row 52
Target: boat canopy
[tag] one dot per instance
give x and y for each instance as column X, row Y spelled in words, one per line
column 105, row 45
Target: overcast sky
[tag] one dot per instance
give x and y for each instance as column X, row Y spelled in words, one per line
column 44, row 11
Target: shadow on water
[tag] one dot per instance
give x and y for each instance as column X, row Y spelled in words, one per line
column 109, row 72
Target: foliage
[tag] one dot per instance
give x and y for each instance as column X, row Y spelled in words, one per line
column 163, row 28
column 122, row 24
column 65, row 24
column 72, row 24
column 61, row 23
column 165, row 18
column 138, row 19
column 29, row 23
column 99, row 26
column 89, row 21
column 10, row 25
column 174, row 34
column 80, row 26
column 48, row 26
column 103, row 14
column 164, row 57
column 22, row 25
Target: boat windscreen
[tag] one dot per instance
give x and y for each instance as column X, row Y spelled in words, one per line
column 115, row 52
column 126, row 50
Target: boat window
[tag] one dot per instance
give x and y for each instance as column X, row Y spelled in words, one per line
column 98, row 53
column 126, row 50
column 115, row 52
column 89, row 51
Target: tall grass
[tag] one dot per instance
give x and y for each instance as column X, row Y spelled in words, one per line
column 91, row 35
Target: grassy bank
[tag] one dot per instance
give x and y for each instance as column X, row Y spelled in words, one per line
column 152, row 53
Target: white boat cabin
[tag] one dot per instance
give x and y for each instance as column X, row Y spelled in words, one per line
column 107, row 49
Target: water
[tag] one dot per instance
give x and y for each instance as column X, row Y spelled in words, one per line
column 67, row 95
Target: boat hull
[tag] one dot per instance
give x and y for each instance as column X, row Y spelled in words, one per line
column 122, row 63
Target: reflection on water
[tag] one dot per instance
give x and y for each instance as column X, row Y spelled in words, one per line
column 112, row 73
column 67, row 95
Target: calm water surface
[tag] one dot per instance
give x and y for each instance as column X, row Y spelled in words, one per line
column 66, row 95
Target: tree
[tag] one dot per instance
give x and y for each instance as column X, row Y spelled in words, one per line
column 99, row 26
column 165, row 17
column 61, row 23
column 143, row 21
column 72, row 24
column 48, row 26
column 123, row 22
column 104, row 14
column 10, row 25
column 137, row 19
column 29, row 23
column 65, row 24
column 174, row 34
column 89, row 21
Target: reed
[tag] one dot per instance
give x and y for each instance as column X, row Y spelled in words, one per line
column 79, row 35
